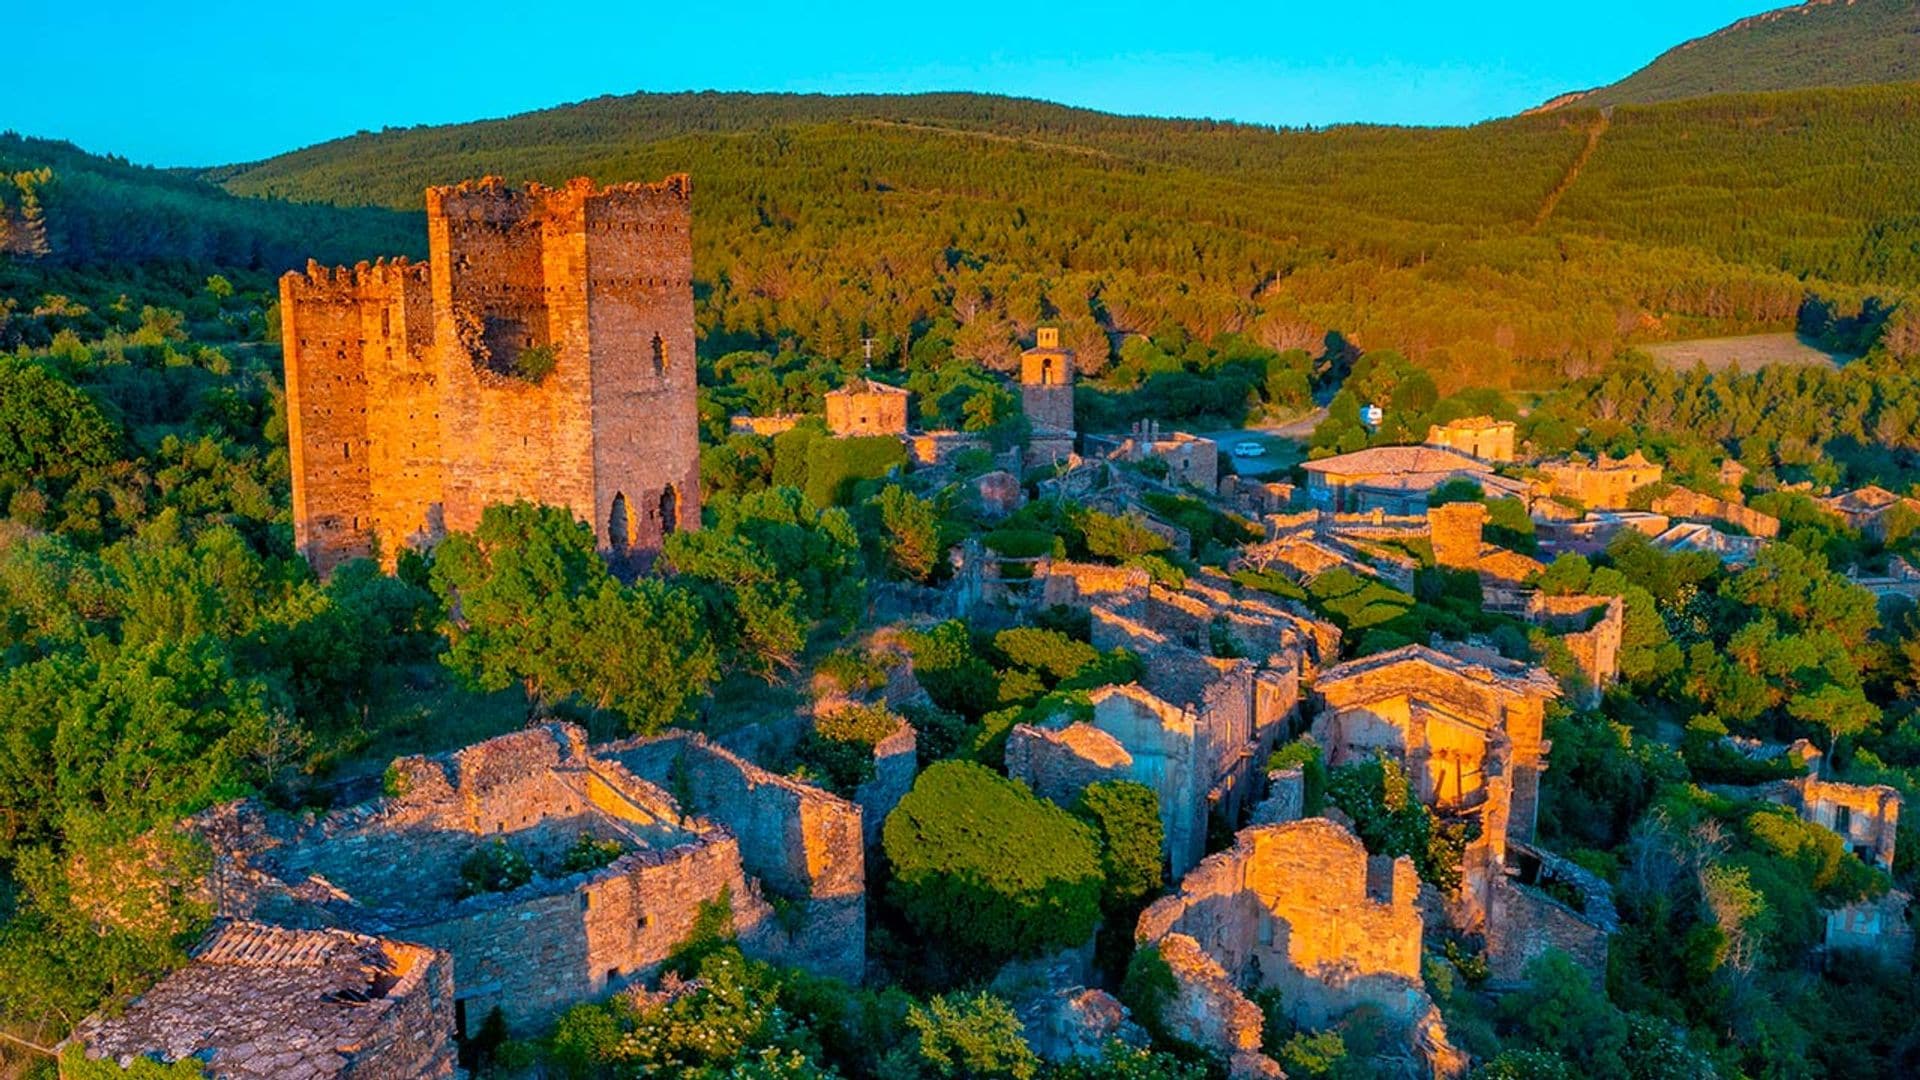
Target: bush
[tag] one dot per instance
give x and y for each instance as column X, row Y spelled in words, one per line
column 835, row 465
column 986, row 872
column 1047, row 651
column 1125, row 818
column 494, row 867
column 840, row 746
column 589, row 852
column 1304, row 753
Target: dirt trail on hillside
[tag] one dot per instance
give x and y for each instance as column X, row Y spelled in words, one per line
column 1565, row 185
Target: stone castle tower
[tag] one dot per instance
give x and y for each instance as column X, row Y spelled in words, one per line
column 1046, row 394
column 544, row 352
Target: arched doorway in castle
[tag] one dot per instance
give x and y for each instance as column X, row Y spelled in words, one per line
column 620, row 524
column 669, row 511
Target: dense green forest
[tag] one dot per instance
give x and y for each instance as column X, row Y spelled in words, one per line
column 94, row 210
column 826, row 219
column 1822, row 43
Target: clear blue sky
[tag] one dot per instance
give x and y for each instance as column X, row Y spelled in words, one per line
column 200, row 82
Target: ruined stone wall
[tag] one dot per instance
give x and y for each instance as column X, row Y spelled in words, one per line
column 933, row 449
column 1296, row 906
column 536, row 952
column 1866, row 816
column 895, row 764
column 1523, row 921
column 1687, row 503
column 1163, row 747
column 1059, row 764
column 407, row 416
column 803, row 843
column 1595, row 648
column 1081, row 585
column 1456, row 530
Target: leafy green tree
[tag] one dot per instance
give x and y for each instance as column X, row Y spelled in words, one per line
column 972, row 1035
column 1125, row 817
column 530, row 601
column 913, row 531
column 985, row 871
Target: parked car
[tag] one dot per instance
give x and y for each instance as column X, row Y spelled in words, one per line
column 1249, row 449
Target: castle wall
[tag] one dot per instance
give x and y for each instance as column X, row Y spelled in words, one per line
column 426, row 358
column 323, row 330
column 639, row 247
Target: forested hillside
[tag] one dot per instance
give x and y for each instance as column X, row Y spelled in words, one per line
column 1511, row 253
column 1822, row 43
column 71, row 207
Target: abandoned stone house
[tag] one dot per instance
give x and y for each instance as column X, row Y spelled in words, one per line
column 1299, row 907
column 867, row 407
column 1480, row 437
column 1872, row 508
column 263, row 1002
column 1046, row 396
column 1867, row 818
column 1197, row 727
column 1468, row 734
column 544, row 352
column 1468, row 731
column 689, row 825
column 1604, row 483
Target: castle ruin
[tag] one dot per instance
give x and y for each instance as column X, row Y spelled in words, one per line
column 682, row 826
column 544, row 352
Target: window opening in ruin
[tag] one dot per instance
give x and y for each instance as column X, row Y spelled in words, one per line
column 620, row 525
column 669, row 511
column 460, row 1019
column 386, row 325
column 1046, row 370
column 613, row 974
column 586, row 901
column 346, row 450
column 645, row 921
column 1842, row 820
column 659, row 355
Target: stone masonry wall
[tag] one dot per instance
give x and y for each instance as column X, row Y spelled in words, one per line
column 405, row 419
column 1687, row 503
column 803, row 843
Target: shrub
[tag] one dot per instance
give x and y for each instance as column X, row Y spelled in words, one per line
column 972, row 1035
column 835, row 465
column 985, row 871
column 1304, row 753
column 840, row 746
column 1125, row 818
column 589, row 852
column 1047, row 651
column 534, row 363
column 494, row 867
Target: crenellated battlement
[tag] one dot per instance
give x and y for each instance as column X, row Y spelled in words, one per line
column 492, row 200
column 318, row 282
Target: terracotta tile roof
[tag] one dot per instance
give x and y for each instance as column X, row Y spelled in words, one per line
column 1380, row 460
